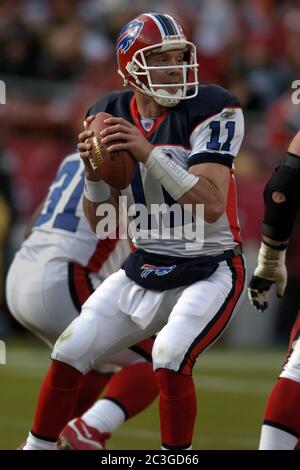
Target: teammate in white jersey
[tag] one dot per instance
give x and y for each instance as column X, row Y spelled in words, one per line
column 58, row 266
column 186, row 287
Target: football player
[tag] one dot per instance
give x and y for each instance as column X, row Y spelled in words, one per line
column 58, row 266
column 281, row 426
column 188, row 287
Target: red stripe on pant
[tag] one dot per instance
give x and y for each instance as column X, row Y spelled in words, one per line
column 220, row 320
column 79, row 284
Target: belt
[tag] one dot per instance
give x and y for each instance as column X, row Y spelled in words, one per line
column 229, row 254
column 159, row 260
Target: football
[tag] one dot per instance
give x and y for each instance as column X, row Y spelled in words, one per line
column 115, row 168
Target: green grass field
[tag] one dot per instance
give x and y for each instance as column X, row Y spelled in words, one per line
column 232, row 387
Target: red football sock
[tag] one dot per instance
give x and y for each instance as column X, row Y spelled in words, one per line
column 177, row 408
column 56, row 400
column 133, row 388
column 91, row 386
column 283, row 406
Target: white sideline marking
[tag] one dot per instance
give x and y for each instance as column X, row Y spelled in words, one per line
column 234, row 360
column 239, row 360
column 233, row 385
column 28, row 364
column 202, row 382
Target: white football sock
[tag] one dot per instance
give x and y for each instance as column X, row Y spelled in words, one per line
column 104, row 415
column 34, row 443
column 272, row 438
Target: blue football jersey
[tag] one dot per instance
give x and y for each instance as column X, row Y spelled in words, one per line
column 207, row 128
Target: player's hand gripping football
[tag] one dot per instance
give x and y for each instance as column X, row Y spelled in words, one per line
column 270, row 270
column 132, row 138
column 85, row 148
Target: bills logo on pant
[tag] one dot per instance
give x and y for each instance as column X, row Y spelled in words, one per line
column 157, row 270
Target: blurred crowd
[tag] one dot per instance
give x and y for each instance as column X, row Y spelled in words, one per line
column 57, row 57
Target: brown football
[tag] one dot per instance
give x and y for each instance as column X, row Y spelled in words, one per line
column 115, row 168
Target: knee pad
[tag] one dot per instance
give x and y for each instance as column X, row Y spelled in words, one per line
column 166, row 354
column 77, row 345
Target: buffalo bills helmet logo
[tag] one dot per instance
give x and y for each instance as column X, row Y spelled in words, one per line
column 128, row 35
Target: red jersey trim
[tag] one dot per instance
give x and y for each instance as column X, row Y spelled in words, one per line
column 135, row 116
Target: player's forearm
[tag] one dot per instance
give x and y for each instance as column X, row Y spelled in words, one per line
column 186, row 187
column 98, row 194
column 206, row 193
column 282, row 195
column 90, row 210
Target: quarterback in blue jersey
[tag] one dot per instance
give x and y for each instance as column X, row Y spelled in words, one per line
column 186, row 286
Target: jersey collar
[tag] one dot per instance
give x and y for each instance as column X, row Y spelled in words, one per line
column 135, row 116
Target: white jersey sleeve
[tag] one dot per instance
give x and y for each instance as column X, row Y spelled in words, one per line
column 218, row 138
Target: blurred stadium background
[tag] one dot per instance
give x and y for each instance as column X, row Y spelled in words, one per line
column 56, row 59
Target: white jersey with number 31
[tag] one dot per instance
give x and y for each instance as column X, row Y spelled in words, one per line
column 61, row 231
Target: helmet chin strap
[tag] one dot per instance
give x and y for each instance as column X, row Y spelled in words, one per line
column 167, row 99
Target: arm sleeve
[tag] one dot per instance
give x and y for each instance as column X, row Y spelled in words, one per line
column 279, row 217
column 218, row 138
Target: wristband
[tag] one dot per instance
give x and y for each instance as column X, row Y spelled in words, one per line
column 176, row 180
column 96, row 191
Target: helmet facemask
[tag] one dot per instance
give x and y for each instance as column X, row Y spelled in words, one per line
column 140, row 71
